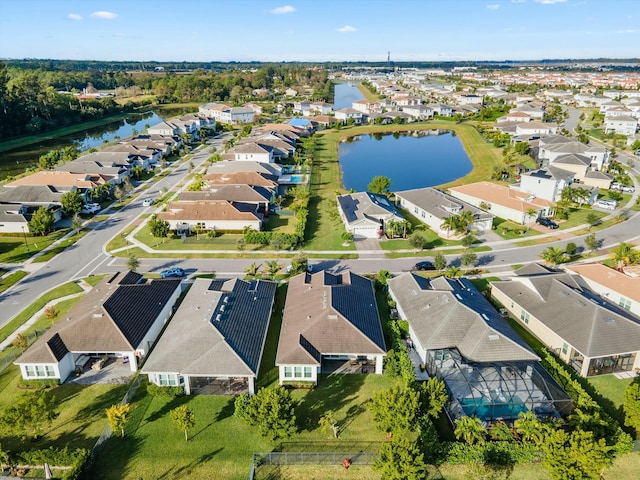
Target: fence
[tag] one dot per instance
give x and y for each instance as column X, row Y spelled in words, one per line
column 12, row 353
column 107, row 432
column 309, row 458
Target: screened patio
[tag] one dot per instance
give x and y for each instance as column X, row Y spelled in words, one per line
column 497, row 391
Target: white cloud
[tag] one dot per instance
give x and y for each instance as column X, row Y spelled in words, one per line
column 493, row 6
column 549, row 2
column 629, row 30
column 347, row 29
column 283, row 10
column 104, row 15
column 518, row 1
column 74, row 16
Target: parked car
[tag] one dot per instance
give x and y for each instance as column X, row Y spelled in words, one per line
column 172, row 272
column 606, row 204
column 90, row 208
column 424, row 266
column 547, row 222
column 147, row 202
column 627, row 188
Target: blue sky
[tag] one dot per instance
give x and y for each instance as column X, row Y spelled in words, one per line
column 317, row 30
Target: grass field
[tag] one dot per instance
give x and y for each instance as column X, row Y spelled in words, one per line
column 11, row 279
column 18, row 248
column 221, row 445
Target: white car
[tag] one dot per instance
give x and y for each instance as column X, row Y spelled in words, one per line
column 90, row 208
column 147, row 202
column 606, row 204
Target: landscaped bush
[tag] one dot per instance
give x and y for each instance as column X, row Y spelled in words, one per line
column 494, row 453
column 158, row 391
column 65, row 457
column 38, row 384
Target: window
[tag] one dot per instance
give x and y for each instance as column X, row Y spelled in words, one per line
column 40, row 371
column 30, row 371
column 415, row 209
column 625, row 303
column 423, row 214
column 165, row 380
column 524, row 316
column 297, row 372
column 565, row 347
column 307, row 372
column 50, row 370
column 287, row 372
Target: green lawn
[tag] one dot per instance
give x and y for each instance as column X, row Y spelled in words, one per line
column 80, row 410
column 578, row 217
column 610, row 387
column 221, row 445
column 13, row 248
column 61, row 291
column 510, row 230
column 11, row 279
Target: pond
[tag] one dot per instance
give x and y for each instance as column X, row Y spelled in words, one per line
column 14, row 162
column 412, row 159
column 345, row 94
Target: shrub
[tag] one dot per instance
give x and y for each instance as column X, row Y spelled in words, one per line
column 158, row 391
column 571, row 248
column 39, row 384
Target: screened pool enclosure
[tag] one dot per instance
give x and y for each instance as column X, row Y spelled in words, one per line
column 497, row 391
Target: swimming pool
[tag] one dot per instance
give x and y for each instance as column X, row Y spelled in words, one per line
column 297, row 179
column 488, row 410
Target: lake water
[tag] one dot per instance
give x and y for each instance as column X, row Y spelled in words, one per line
column 345, row 94
column 14, row 162
column 416, row 159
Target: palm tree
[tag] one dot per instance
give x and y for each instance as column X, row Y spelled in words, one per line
column 470, row 429
column 532, row 213
column 76, row 223
column 448, row 224
column 272, row 267
column 553, row 256
column 530, row 428
column 624, row 254
column 452, row 272
column 252, row 270
column 464, row 221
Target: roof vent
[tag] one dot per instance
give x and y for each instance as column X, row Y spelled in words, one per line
column 226, row 299
column 98, row 315
column 609, row 320
column 494, row 337
column 581, row 303
column 218, row 317
column 332, row 317
column 222, row 308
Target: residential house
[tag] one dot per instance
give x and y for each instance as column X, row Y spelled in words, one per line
column 623, row 124
column 168, row 129
column 330, row 322
column 303, row 107
column 243, row 194
column 366, row 214
column 420, row 112
column 432, row 206
column 14, row 218
column 515, row 116
column 546, row 183
column 211, row 215
column 585, row 330
column 345, row 114
column 228, row 167
column 366, row 106
column 144, row 157
column 62, row 181
column 114, row 173
column 459, row 337
column 536, row 127
column 552, row 146
column 257, row 179
column 503, row 202
column 441, row 109
column 254, row 152
column 617, row 287
column 215, row 340
column 120, row 318
column 321, row 108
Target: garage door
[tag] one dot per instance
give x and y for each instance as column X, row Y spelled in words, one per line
column 365, row 232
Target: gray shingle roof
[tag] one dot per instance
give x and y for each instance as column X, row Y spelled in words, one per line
column 439, row 204
column 592, row 326
column 219, row 329
column 367, row 206
column 456, row 316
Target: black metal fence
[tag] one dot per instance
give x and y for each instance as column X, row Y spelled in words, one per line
column 309, row 458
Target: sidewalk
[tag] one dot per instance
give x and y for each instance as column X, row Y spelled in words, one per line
column 35, row 317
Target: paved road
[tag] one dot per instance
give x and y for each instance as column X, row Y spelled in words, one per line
column 82, row 258
column 87, row 256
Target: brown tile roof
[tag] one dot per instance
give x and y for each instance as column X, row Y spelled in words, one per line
column 329, row 314
column 610, row 278
column 207, row 210
column 59, row 179
column 113, row 317
column 241, row 178
column 500, row 195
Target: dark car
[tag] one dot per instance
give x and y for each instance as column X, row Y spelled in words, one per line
column 547, row 222
column 172, row 272
column 424, row 266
